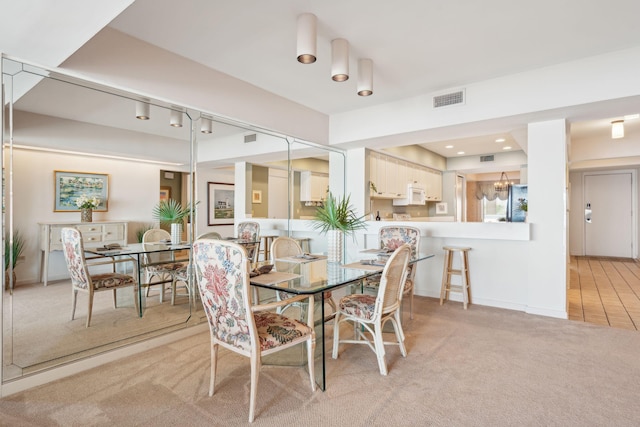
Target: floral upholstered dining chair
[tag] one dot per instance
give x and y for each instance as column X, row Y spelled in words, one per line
column 369, row 313
column 83, row 281
column 391, row 238
column 250, row 231
column 222, row 274
column 161, row 267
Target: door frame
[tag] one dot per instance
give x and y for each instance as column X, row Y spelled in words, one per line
column 634, row 206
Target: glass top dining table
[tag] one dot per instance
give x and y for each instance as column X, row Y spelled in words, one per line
column 137, row 252
column 315, row 275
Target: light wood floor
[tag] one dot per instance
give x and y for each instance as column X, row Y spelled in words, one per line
column 605, row 291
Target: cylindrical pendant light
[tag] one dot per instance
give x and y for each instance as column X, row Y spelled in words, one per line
column 306, row 48
column 176, row 119
column 206, row 126
column 340, row 60
column 617, row 129
column 365, row 77
column 142, row 110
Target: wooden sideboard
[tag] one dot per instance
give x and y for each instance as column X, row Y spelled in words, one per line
column 94, row 234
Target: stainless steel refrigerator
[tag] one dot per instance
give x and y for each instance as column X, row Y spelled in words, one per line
column 517, row 196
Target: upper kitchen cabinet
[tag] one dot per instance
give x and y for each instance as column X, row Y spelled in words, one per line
column 433, row 185
column 389, row 175
column 313, row 186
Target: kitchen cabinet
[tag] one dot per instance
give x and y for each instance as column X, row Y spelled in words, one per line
column 313, row 186
column 389, row 176
column 434, row 185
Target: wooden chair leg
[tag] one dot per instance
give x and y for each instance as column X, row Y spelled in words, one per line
column 255, row 374
column 90, row 308
column 379, row 346
column 74, row 299
column 214, row 366
column 336, row 335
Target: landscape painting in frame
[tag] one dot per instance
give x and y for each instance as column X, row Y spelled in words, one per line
column 71, row 185
column 220, row 203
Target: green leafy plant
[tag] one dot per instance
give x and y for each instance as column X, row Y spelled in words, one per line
column 171, row 212
column 338, row 214
column 18, row 247
column 140, row 231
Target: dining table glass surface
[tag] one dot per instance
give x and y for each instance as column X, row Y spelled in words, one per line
column 137, row 251
column 313, row 274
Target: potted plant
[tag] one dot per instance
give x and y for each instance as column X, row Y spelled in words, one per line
column 17, row 247
column 87, row 205
column 335, row 219
column 171, row 212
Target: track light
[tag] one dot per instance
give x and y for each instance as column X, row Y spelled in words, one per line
column 617, row 129
column 176, row 119
column 142, row 110
column 306, row 48
column 340, row 60
column 206, row 126
column 365, row 77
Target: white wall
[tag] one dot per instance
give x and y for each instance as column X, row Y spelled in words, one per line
column 133, row 191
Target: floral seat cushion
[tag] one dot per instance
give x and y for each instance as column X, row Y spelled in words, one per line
column 111, row 280
column 169, row 267
column 358, row 305
column 275, row 330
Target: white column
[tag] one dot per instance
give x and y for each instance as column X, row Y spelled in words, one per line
column 547, row 180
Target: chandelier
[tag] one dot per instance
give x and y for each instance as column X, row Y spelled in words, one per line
column 503, row 184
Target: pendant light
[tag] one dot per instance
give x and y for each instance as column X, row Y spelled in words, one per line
column 142, row 110
column 306, row 48
column 365, row 77
column 340, row 60
column 176, row 119
column 206, row 126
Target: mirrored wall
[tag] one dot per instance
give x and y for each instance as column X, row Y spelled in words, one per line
column 55, row 124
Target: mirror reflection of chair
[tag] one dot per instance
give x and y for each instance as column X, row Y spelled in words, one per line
column 285, row 247
column 163, row 266
column 236, row 324
column 250, row 231
column 369, row 313
column 210, row 235
column 392, row 237
column 83, row 281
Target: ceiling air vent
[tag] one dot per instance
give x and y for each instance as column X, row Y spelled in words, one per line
column 447, row 99
column 250, row 138
column 486, row 158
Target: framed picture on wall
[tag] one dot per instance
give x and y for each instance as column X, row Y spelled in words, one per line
column 68, row 186
column 165, row 193
column 220, row 200
column 256, row 196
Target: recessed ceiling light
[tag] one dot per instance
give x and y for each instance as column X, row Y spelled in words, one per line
column 448, row 146
column 506, row 148
column 500, row 140
column 460, row 152
column 631, row 116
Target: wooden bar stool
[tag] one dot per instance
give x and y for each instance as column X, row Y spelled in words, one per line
column 463, row 272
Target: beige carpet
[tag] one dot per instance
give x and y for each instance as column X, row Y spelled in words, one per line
column 480, row 367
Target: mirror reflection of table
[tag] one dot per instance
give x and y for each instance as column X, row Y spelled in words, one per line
column 137, row 251
column 318, row 276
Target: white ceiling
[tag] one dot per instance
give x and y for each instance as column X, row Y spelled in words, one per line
column 417, row 46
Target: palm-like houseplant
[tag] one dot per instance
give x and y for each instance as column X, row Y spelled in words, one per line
column 171, row 212
column 17, row 248
column 337, row 218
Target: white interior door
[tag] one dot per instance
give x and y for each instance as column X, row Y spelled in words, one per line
column 608, row 214
column 278, row 194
